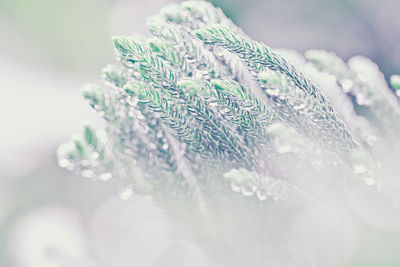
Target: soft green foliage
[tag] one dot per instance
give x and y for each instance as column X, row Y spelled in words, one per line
column 201, row 95
column 367, row 87
column 395, row 82
column 259, row 57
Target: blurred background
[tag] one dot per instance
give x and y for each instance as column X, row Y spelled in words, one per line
column 50, row 48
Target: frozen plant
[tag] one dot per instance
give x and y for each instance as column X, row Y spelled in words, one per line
column 202, row 112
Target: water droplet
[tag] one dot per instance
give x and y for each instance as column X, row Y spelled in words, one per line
column 369, row 181
column 218, row 51
column 84, row 163
column 235, row 186
column 87, row 173
column 126, row 193
column 362, row 100
column 132, row 101
column 275, row 196
column 359, row 169
column 133, row 162
column 152, row 146
column 272, row 91
column 299, row 107
column 137, row 75
column 283, row 148
column 95, row 155
column 248, row 189
column 346, row 84
column 64, row 163
column 105, row 176
column 198, row 75
column 262, row 194
column 102, row 136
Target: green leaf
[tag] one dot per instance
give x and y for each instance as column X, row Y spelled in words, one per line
column 90, row 137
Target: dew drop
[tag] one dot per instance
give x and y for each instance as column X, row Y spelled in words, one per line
column 132, row 101
column 126, row 193
column 362, row 100
column 133, row 162
column 359, row 169
column 102, row 136
column 369, row 181
column 235, row 186
column 275, row 196
column 64, row 163
column 152, row 146
column 346, row 85
column 105, row 176
column 371, row 140
column 87, row 173
column 84, row 163
column 165, row 146
column 262, row 194
column 95, row 155
column 283, row 148
column 272, row 91
column 299, row 107
column 218, row 51
column 248, row 189
column 128, row 151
